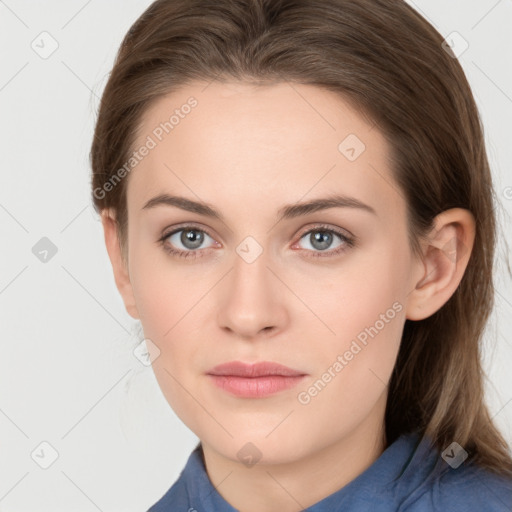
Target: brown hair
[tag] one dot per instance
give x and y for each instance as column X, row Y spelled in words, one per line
column 389, row 63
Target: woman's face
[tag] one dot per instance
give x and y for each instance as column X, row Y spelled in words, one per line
column 255, row 285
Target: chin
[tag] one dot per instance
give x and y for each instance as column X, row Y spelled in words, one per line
column 252, row 447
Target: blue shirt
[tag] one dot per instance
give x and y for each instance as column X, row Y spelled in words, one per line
column 409, row 476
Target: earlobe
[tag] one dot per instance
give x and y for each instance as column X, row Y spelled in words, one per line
column 445, row 258
column 119, row 267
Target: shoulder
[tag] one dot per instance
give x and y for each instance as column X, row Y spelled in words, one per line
column 176, row 497
column 465, row 489
column 193, row 478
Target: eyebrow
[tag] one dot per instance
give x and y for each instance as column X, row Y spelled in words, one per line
column 286, row 212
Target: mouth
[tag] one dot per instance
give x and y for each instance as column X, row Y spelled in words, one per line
column 254, row 380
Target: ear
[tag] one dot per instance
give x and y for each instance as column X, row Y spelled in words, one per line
column 445, row 258
column 121, row 275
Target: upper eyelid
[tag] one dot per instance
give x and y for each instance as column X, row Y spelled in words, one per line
column 184, row 227
column 326, row 227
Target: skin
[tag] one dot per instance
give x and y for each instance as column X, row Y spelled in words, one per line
column 247, row 151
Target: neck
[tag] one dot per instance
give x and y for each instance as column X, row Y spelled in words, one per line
column 294, row 485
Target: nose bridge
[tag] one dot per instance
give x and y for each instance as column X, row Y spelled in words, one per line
column 251, row 298
column 250, row 265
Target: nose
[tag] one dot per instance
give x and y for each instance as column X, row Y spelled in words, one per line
column 252, row 299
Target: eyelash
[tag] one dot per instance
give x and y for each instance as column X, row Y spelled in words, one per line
column 348, row 242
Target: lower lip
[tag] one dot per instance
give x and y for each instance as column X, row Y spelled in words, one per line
column 255, row 387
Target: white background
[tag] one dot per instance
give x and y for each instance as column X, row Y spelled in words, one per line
column 67, row 372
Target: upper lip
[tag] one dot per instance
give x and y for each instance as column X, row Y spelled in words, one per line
column 260, row 369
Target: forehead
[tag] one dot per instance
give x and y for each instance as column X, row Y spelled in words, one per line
column 232, row 141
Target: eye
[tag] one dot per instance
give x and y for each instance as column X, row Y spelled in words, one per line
column 191, row 238
column 321, row 238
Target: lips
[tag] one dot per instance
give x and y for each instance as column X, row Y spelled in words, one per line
column 261, row 369
column 254, row 380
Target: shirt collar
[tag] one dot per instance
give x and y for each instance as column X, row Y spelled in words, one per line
column 403, row 465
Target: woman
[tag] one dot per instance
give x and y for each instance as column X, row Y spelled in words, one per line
column 298, row 207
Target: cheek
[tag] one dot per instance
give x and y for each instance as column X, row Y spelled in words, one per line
column 355, row 297
column 352, row 370
column 167, row 309
column 365, row 309
column 170, row 300
column 159, row 289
